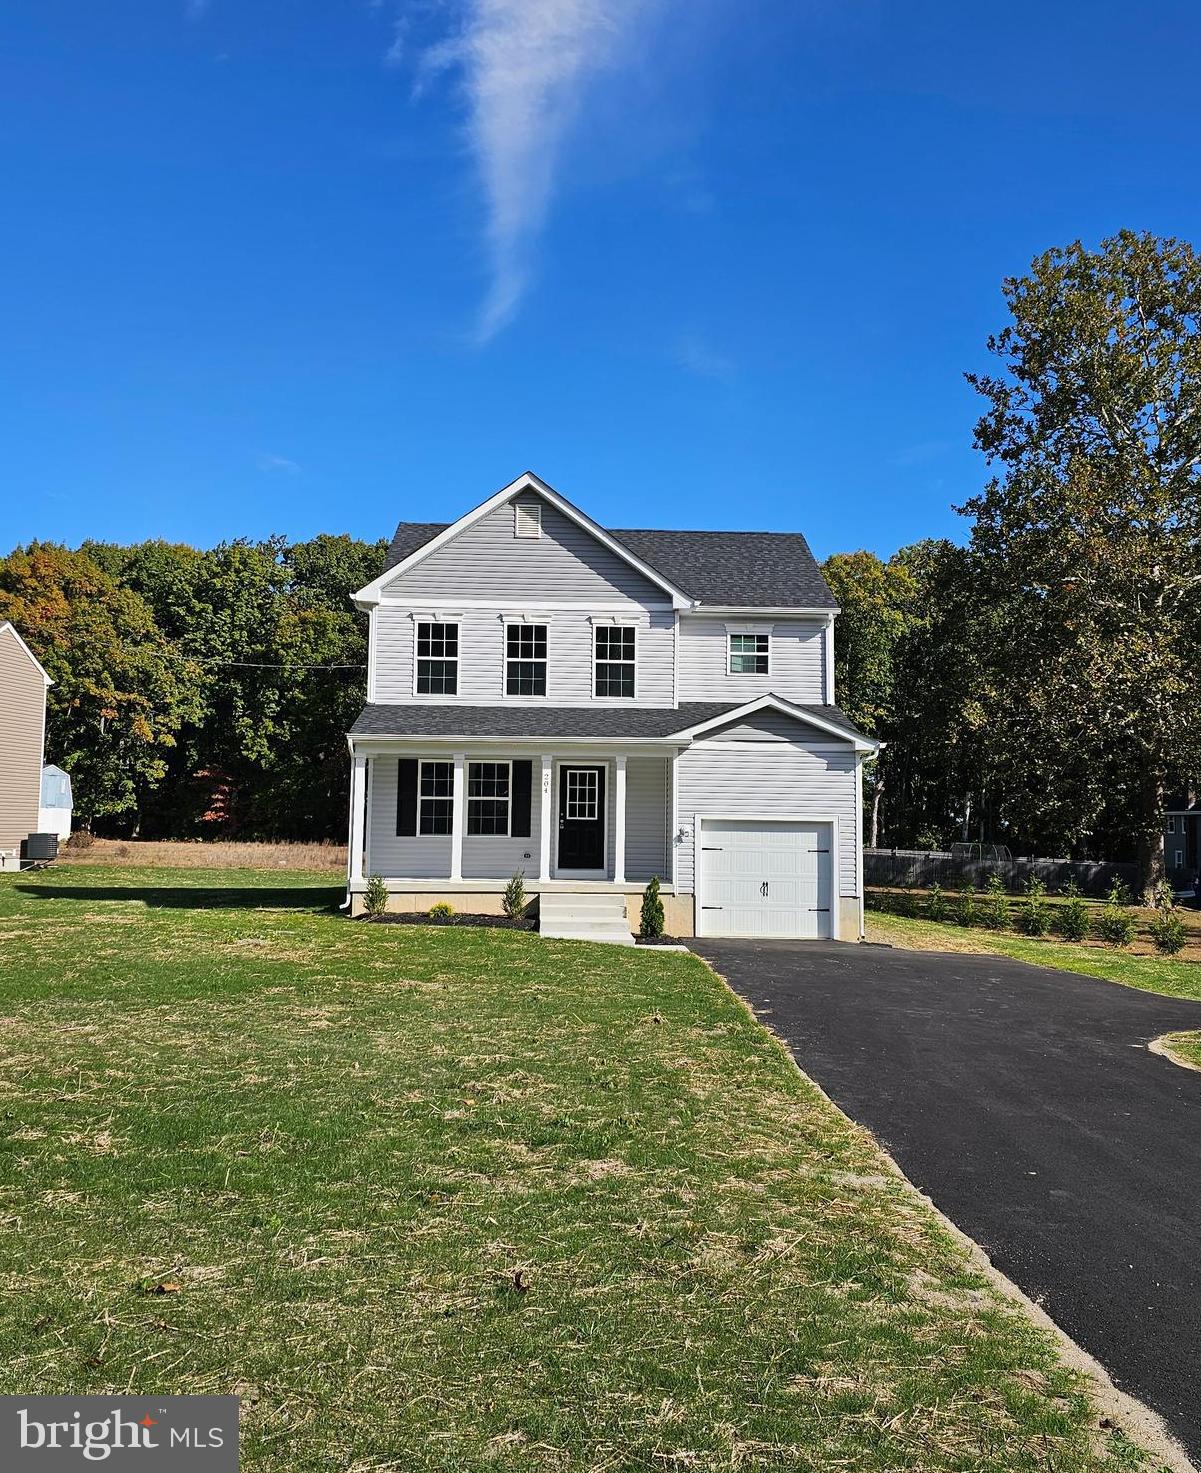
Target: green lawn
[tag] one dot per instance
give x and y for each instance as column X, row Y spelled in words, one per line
column 1184, row 1047
column 463, row 1199
column 1150, row 973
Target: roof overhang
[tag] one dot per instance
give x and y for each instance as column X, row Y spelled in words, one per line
column 37, row 664
column 861, row 742
column 759, row 611
column 374, row 591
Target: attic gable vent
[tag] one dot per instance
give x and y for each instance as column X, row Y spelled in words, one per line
column 527, row 519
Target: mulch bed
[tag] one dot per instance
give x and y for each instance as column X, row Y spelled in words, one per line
column 659, row 941
column 422, row 918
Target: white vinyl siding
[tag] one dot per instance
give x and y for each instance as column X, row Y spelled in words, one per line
column 797, row 662
column 770, row 726
column 485, row 856
column 648, row 799
column 569, row 642
column 768, row 780
column 564, row 563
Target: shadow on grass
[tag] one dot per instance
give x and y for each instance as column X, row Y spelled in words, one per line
column 199, row 897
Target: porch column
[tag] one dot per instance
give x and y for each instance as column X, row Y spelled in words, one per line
column 358, row 817
column 674, row 814
column 619, row 835
column 544, row 812
column 457, row 807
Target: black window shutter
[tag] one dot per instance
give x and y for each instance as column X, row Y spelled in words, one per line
column 406, row 797
column 522, row 783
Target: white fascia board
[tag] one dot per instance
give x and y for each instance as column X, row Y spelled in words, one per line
column 799, row 713
column 535, row 743
column 37, row 664
column 527, row 482
column 759, row 611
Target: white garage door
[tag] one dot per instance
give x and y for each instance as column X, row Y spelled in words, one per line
column 760, row 877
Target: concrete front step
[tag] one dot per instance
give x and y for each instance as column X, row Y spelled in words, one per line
column 585, row 917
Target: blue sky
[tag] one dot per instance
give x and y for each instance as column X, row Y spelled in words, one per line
column 309, row 266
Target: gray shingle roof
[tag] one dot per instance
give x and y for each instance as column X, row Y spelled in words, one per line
column 415, row 718
column 742, row 569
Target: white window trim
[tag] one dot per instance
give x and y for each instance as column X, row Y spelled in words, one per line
column 506, row 620
column 433, row 618
column 1171, row 824
column 467, row 800
column 614, row 623
column 1179, row 859
column 422, row 763
column 759, row 634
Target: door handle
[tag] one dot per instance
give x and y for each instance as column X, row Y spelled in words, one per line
column 763, row 888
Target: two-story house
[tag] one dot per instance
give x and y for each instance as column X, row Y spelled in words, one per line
column 595, row 707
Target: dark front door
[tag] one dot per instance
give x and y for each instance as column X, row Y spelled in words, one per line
column 581, row 818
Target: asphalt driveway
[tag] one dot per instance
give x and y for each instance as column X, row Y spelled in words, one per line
column 1024, row 1101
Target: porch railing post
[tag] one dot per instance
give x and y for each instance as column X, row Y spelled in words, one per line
column 544, row 813
column 358, row 816
column 457, row 807
column 619, row 836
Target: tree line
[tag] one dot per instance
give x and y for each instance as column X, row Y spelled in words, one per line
column 1038, row 686
column 1034, row 686
column 199, row 693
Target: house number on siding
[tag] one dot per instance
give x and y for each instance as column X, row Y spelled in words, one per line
column 546, row 784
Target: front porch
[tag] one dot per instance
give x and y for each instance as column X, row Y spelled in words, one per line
column 439, row 823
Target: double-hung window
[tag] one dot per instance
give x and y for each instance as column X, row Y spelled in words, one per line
column 489, row 793
column 749, row 654
column 1171, row 825
column 525, row 659
column 437, row 659
column 614, row 660
column 435, row 797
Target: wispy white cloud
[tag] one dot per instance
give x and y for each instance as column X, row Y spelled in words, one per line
column 695, row 355
column 524, row 67
column 278, row 465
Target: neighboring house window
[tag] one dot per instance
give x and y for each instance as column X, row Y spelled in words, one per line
column 525, row 659
column 750, row 654
column 1180, row 859
column 1171, row 825
column 614, row 660
column 435, row 797
column 437, row 660
column 488, row 793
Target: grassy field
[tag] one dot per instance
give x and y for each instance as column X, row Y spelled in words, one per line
column 1151, row 973
column 204, row 854
column 454, row 1199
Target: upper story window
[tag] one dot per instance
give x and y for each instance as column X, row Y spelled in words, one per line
column 1171, row 825
column 749, row 654
column 615, row 661
column 435, row 797
column 437, row 659
column 525, row 659
column 489, row 790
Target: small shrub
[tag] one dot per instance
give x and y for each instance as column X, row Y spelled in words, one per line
column 1073, row 914
column 1115, row 924
column 651, row 921
column 514, row 897
column 995, row 912
column 936, row 903
column 1167, row 929
column 81, row 839
column 1034, row 918
column 441, row 910
column 965, row 906
column 375, row 897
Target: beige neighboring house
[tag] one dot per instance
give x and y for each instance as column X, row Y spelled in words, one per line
column 23, row 686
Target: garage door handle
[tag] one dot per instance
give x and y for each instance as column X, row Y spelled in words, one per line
column 763, row 888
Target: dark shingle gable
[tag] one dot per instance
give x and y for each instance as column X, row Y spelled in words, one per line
column 740, row 569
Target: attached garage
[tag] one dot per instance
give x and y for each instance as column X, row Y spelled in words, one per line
column 766, row 877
